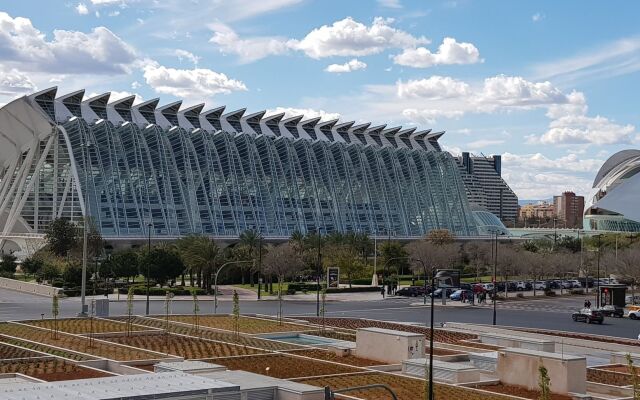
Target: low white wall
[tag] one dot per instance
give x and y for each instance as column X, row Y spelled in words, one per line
column 28, row 287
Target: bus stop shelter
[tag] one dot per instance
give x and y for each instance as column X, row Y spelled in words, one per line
column 613, row 295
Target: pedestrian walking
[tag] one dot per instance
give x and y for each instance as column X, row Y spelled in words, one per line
column 382, row 291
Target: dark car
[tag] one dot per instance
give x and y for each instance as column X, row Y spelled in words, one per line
column 411, row 291
column 612, row 311
column 465, row 286
column 588, row 315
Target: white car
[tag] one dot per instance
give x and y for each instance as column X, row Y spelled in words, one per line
column 634, row 314
column 488, row 286
column 566, row 284
column 540, row 285
column 576, row 284
column 521, row 285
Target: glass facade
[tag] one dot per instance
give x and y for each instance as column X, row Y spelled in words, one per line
column 175, row 180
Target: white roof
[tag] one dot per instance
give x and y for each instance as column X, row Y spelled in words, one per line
column 391, row 332
column 126, row 386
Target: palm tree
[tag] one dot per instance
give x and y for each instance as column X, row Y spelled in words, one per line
column 297, row 240
column 252, row 240
column 202, row 254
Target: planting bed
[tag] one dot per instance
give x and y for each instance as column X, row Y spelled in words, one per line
column 329, row 356
column 7, row 352
column 183, row 346
column 406, row 388
column 332, row 334
column 283, row 366
column 585, row 336
column 440, row 335
column 49, row 369
column 45, row 349
column 205, row 333
column 616, row 376
column 247, row 324
column 520, row 392
column 84, row 325
column 75, row 343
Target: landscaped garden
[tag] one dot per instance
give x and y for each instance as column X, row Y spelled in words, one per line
column 329, row 356
column 182, row 346
column 75, row 343
column 49, row 369
column 222, row 336
column 45, row 349
column 283, row 366
column 84, row 325
column 246, row 324
column 7, row 352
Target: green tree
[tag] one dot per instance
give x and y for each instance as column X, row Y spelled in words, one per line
column 8, row 265
column 50, row 270
column 72, row 274
column 345, row 257
column 31, row 265
column 125, row 264
column 394, row 256
column 202, row 254
column 544, row 383
column 236, row 314
column 251, row 240
column 61, row 236
column 163, row 265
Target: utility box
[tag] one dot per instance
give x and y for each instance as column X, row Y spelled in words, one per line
column 101, row 307
column 389, row 346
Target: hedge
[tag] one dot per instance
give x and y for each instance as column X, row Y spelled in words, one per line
column 354, row 289
column 76, row 291
column 156, row 291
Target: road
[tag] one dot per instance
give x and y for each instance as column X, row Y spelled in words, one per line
column 543, row 313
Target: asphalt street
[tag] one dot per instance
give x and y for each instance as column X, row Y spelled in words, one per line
column 544, row 313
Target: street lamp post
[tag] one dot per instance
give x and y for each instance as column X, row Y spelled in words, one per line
column 495, row 283
column 215, row 282
column 318, row 274
column 149, row 225
column 598, row 279
column 83, row 288
column 259, row 267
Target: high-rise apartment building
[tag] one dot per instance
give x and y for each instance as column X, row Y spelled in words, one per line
column 569, row 209
column 485, row 187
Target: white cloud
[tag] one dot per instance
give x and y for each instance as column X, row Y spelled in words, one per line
column 249, row 49
column 14, row 82
column 114, row 13
column 82, row 9
column 517, row 91
column 449, row 52
column 615, row 58
column 135, row 85
column 107, row 2
column 349, row 37
column 429, row 116
column 435, row 87
column 117, row 95
column 71, row 52
column 187, row 55
column 307, row 112
column 390, row 3
column 189, row 83
column 537, row 17
column 349, row 66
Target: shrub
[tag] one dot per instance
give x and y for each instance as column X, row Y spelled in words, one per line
column 299, row 287
column 292, row 291
column 520, row 295
column 156, row 291
column 549, row 292
column 577, row 291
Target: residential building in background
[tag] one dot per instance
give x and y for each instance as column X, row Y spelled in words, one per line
column 485, row 187
column 569, row 209
column 613, row 203
column 537, row 212
column 145, row 170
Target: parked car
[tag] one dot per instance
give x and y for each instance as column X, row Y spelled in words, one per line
column 612, row 311
column 457, row 295
column 566, row 285
column 478, row 288
column 438, row 293
column 411, row 291
column 523, row 285
column 488, row 287
column 553, row 284
column 588, row 315
column 634, row 314
column 465, row 286
column 575, row 284
column 540, row 285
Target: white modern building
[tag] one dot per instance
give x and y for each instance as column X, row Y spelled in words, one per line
column 613, row 202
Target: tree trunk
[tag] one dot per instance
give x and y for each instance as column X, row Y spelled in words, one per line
column 199, row 277
column 182, row 279
column 190, row 277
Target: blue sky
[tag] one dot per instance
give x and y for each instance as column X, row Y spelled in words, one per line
column 553, row 86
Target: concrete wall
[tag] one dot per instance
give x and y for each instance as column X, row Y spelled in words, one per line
column 288, row 394
column 387, row 346
column 28, row 287
column 568, row 374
